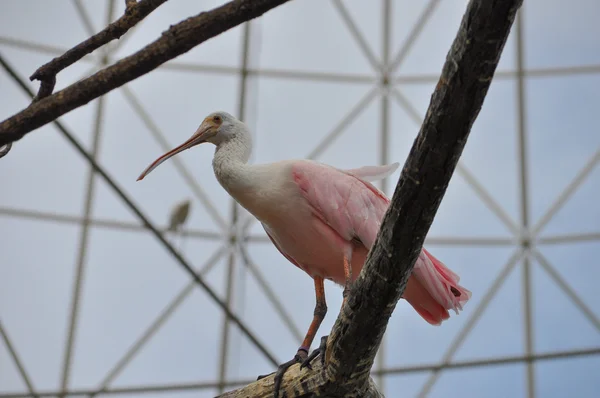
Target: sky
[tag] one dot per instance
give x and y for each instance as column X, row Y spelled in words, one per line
column 129, row 278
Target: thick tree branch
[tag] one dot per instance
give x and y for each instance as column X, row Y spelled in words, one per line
column 134, row 13
column 455, row 104
column 177, row 40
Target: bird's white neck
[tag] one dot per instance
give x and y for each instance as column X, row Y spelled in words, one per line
column 230, row 165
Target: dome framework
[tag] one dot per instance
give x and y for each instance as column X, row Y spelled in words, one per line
column 242, row 250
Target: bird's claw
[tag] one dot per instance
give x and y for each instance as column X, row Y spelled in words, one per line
column 300, row 357
column 321, row 350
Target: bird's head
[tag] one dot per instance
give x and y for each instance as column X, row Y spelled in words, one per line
column 216, row 128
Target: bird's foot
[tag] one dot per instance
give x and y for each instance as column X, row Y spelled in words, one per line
column 300, row 357
column 321, row 350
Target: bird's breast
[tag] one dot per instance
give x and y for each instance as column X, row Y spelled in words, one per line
column 268, row 192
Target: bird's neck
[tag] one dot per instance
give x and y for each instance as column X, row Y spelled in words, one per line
column 231, row 167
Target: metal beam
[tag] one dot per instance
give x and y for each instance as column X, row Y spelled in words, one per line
column 570, row 238
column 181, row 387
column 478, row 363
column 99, row 223
column 472, row 320
column 562, row 71
column 339, row 77
column 524, row 199
column 357, row 35
column 441, row 240
column 82, row 250
column 146, row 389
column 234, row 227
column 85, row 18
column 40, row 48
column 200, row 234
column 288, row 321
column 487, row 199
column 532, row 73
column 17, row 360
column 384, row 137
column 289, row 74
column 329, row 138
column 569, row 291
column 158, row 323
column 567, row 193
column 420, row 23
column 87, row 211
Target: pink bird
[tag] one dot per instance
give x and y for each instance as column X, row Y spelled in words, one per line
column 322, row 219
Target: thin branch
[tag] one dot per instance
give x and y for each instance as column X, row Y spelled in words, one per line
column 5, row 149
column 178, row 39
column 455, row 104
column 134, row 13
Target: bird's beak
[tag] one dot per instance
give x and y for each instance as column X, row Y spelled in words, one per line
column 199, row 137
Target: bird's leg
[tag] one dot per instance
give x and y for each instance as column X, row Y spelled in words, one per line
column 319, row 315
column 347, row 283
column 347, row 274
column 302, row 353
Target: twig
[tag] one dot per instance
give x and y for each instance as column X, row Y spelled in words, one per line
column 455, row 104
column 134, row 13
column 5, row 149
column 177, row 40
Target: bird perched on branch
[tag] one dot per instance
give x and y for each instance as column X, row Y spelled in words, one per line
column 322, row 219
column 179, row 215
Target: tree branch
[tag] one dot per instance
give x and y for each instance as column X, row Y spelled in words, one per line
column 130, row 3
column 134, row 13
column 454, row 106
column 177, row 40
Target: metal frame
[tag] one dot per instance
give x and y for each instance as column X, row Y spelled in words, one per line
column 234, row 235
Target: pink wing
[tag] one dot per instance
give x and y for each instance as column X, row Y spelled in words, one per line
column 354, row 208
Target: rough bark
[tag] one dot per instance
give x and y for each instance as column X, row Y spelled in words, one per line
column 455, row 104
column 177, row 40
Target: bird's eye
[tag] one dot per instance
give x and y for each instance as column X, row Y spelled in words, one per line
column 217, row 119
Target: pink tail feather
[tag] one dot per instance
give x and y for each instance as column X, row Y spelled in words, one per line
column 436, row 291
